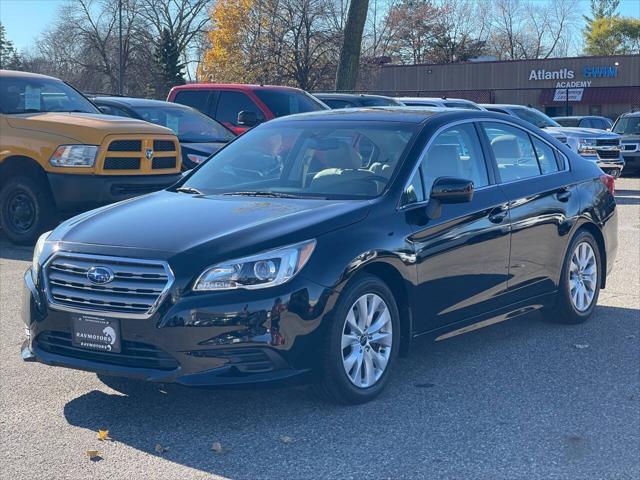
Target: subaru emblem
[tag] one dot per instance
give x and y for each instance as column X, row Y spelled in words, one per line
column 149, row 153
column 100, row 275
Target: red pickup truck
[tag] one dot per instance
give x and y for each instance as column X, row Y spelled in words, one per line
column 240, row 107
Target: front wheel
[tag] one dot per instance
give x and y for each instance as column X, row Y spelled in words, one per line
column 363, row 342
column 580, row 281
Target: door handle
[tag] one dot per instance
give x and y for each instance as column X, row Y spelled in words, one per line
column 563, row 195
column 498, row 214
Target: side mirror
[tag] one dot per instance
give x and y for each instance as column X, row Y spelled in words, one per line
column 247, row 119
column 448, row 190
column 105, row 109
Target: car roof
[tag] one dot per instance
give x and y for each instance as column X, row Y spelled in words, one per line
column 433, row 99
column 135, row 102
column 577, row 117
column 349, row 95
column 631, row 114
column 232, row 86
column 415, row 115
column 18, row 74
column 503, row 105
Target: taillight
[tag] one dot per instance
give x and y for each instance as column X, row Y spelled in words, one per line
column 609, row 182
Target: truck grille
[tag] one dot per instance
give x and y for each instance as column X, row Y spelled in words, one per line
column 137, row 287
column 164, row 146
column 608, row 154
column 608, row 142
column 629, row 147
column 164, row 162
column 125, row 146
column 121, row 163
column 133, row 354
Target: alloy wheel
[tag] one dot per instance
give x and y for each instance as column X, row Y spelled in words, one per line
column 583, row 275
column 366, row 341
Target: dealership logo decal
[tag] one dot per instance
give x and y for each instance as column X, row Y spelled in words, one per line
column 100, row 275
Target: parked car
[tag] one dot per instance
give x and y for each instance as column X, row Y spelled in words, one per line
column 266, row 264
column 594, row 145
column 240, row 107
column 349, row 100
column 439, row 102
column 628, row 125
column 60, row 155
column 199, row 135
column 591, row 121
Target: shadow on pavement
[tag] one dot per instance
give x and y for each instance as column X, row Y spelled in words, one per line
column 445, row 398
column 11, row 251
column 628, row 197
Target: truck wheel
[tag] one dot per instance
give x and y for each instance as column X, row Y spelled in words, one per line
column 26, row 209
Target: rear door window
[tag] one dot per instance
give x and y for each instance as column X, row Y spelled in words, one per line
column 546, row 156
column 513, row 151
column 198, row 99
column 231, row 103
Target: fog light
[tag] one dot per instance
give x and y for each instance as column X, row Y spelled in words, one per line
column 264, row 269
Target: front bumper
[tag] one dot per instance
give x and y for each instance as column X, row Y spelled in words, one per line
column 194, row 342
column 75, row 193
column 632, row 159
column 611, row 166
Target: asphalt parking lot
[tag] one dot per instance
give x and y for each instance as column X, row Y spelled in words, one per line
column 523, row 399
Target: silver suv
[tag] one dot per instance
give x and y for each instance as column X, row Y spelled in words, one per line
column 628, row 125
column 596, row 145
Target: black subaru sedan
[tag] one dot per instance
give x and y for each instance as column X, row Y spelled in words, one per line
column 319, row 246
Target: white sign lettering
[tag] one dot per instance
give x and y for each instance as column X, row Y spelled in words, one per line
column 542, row 74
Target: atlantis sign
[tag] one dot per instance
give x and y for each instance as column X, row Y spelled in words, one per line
column 566, row 76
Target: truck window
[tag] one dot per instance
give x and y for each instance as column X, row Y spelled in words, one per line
column 198, row 99
column 231, row 103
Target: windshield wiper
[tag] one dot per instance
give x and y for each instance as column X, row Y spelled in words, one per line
column 258, row 193
column 189, row 190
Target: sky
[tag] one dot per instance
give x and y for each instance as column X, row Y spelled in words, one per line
column 24, row 20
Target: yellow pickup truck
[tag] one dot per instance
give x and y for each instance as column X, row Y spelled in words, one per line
column 59, row 155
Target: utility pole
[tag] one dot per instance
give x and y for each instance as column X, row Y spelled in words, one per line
column 120, row 62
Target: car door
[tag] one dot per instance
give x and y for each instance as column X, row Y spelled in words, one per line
column 542, row 199
column 462, row 257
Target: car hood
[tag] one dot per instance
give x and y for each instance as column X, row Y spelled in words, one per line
column 164, row 224
column 631, row 137
column 87, row 128
column 578, row 132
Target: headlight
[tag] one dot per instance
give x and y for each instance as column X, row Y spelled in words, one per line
column 587, row 146
column 37, row 251
column 74, row 156
column 258, row 271
column 197, row 159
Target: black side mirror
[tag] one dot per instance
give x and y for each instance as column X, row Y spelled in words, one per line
column 247, row 119
column 448, row 190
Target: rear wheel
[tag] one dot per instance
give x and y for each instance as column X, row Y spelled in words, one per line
column 26, row 209
column 580, row 281
column 363, row 343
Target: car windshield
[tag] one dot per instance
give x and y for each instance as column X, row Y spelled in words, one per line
column 190, row 126
column 35, row 95
column 535, row 117
column 287, row 102
column 378, row 102
column 324, row 159
column 569, row 122
column 465, row 105
column 627, row 126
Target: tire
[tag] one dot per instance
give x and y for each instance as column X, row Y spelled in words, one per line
column 26, row 209
column 371, row 350
column 572, row 306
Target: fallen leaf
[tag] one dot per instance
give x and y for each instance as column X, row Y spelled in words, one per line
column 286, row 439
column 93, row 455
column 160, row 449
column 580, row 346
column 103, row 435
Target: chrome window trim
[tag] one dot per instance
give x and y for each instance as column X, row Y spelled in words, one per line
column 478, row 120
column 106, row 313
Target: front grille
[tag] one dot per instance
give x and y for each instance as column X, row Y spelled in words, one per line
column 629, row 147
column 244, row 360
column 608, row 142
column 164, row 146
column 133, row 354
column 608, row 154
column 121, row 163
column 163, row 162
column 125, row 146
column 136, row 288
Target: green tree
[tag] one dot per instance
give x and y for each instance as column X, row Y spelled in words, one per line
column 9, row 58
column 613, row 36
column 167, row 57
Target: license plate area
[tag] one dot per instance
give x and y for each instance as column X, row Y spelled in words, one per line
column 96, row 333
